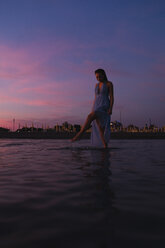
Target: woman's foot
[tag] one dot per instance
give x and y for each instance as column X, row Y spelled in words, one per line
column 76, row 137
column 105, row 145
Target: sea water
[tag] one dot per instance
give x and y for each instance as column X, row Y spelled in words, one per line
column 57, row 194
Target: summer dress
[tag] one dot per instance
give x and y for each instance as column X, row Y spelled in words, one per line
column 100, row 107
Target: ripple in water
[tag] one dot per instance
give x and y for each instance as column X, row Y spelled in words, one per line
column 54, row 194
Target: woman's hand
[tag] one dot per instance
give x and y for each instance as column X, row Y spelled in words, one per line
column 109, row 111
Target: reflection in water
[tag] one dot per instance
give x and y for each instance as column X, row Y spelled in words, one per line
column 54, row 195
column 99, row 195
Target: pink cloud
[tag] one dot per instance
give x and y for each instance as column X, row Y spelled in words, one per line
column 162, row 98
column 31, row 65
column 32, row 102
column 31, row 61
column 158, row 70
column 18, row 64
column 30, row 78
column 26, row 73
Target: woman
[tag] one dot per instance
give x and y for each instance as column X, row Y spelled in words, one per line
column 101, row 111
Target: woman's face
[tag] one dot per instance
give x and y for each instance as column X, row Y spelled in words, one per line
column 99, row 77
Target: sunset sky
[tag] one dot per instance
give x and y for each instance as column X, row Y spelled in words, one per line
column 49, row 50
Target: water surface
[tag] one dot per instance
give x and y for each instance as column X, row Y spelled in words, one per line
column 57, row 194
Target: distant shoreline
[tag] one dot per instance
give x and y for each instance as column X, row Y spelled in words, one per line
column 66, row 135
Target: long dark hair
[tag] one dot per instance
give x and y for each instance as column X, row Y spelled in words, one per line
column 102, row 72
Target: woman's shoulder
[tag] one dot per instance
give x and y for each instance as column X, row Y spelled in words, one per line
column 109, row 83
column 110, row 87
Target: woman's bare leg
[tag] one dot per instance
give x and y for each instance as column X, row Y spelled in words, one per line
column 86, row 126
column 101, row 130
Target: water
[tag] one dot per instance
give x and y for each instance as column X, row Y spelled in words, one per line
column 54, row 194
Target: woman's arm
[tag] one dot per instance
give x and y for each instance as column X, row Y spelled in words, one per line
column 111, row 94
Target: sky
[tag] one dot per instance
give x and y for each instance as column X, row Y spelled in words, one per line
column 49, row 50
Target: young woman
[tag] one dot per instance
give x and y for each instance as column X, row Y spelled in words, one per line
column 101, row 112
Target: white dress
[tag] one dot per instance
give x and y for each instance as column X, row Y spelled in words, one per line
column 101, row 106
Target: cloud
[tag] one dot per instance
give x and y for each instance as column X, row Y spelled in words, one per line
column 158, row 70
column 27, row 73
column 162, row 98
column 18, row 68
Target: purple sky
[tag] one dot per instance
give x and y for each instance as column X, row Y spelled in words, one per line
column 49, row 50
